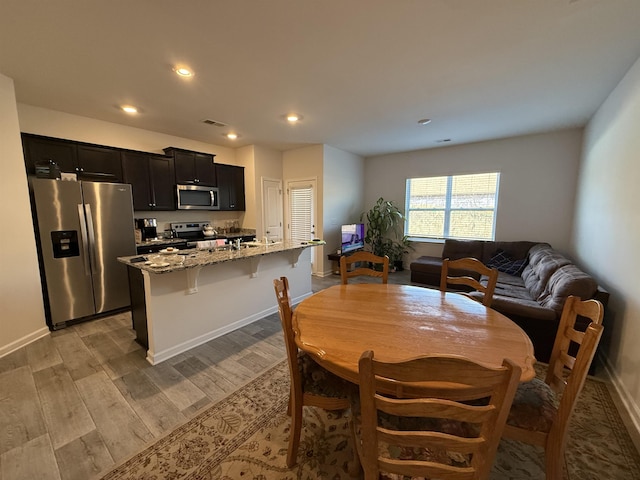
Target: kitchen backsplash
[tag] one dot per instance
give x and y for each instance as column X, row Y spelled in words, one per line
column 214, row 218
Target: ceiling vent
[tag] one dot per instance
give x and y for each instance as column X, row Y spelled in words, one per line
column 214, row 123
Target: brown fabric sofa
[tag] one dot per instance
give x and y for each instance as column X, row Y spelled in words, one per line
column 532, row 294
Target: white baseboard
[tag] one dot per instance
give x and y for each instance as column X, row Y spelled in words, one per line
column 629, row 404
column 21, row 342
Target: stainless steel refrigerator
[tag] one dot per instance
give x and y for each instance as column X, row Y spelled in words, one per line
column 81, row 228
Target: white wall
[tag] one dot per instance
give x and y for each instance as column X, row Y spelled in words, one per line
column 537, row 182
column 607, row 227
column 343, row 196
column 21, row 310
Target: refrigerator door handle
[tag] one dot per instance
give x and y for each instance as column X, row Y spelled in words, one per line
column 92, row 237
column 84, row 240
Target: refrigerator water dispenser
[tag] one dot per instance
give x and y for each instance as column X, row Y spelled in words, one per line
column 65, row 243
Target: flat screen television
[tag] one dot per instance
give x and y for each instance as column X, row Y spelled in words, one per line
column 352, row 237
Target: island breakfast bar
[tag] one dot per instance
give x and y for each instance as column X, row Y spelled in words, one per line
column 182, row 299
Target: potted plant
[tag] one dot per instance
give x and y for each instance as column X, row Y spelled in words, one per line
column 385, row 224
column 396, row 252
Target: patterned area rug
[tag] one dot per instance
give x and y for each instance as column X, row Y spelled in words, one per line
column 245, row 437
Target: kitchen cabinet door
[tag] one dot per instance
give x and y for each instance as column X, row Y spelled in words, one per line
column 205, row 169
column 231, row 187
column 99, row 164
column 163, row 183
column 135, row 169
column 193, row 168
column 152, row 180
column 42, row 149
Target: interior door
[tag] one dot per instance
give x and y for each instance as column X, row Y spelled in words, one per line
column 272, row 208
column 301, row 215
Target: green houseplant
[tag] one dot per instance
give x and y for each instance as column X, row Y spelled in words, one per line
column 384, row 227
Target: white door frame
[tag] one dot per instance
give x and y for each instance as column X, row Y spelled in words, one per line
column 316, row 255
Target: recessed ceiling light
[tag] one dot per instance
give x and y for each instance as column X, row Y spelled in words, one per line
column 183, row 71
column 129, row 109
column 424, row 121
column 293, row 117
column 231, row 135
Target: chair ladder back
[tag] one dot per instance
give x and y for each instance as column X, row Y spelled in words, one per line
column 470, row 264
column 567, row 334
column 281, row 287
column 574, row 384
column 491, row 417
column 358, row 257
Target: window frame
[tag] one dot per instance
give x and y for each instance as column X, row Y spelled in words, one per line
column 447, row 209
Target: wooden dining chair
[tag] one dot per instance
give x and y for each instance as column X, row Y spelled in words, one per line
column 363, row 257
column 541, row 411
column 311, row 384
column 432, row 434
column 474, row 265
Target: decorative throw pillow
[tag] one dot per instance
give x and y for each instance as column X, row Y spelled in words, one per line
column 514, row 267
column 498, row 259
column 504, row 263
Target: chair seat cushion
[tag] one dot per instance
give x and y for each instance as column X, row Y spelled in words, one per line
column 319, row 381
column 534, row 406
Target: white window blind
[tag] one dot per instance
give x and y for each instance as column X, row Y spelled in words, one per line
column 301, row 213
column 457, row 206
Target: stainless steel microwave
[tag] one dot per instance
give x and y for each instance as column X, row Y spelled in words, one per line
column 197, row 197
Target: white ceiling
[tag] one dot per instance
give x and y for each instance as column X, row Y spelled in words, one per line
column 361, row 72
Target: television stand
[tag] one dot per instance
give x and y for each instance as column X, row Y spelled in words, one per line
column 335, row 262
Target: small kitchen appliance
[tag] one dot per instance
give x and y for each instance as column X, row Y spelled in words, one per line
column 148, row 227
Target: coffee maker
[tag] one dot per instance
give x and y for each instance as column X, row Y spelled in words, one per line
column 148, row 227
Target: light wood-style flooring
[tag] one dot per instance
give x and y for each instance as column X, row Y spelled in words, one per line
column 77, row 402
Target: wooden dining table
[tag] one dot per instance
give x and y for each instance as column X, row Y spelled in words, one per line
column 397, row 322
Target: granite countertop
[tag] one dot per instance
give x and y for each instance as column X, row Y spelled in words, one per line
column 192, row 258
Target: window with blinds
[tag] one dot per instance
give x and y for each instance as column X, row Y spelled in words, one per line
column 456, row 206
column 301, row 213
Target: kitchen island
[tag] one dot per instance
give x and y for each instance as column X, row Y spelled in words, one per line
column 182, row 299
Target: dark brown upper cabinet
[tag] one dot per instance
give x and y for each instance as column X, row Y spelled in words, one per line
column 193, row 168
column 152, row 180
column 42, row 149
column 99, row 164
column 89, row 162
column 231, row 187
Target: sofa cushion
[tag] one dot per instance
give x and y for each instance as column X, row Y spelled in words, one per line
column 513, row 291
column 543, row 261
column 456, row 249
column 521, row 307
column 506, row 279
column 565, row 281
column 427, row 264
